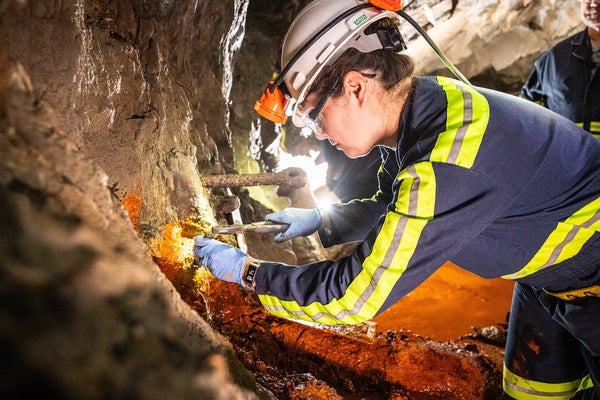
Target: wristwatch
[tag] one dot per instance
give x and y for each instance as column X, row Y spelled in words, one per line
column 251, row 273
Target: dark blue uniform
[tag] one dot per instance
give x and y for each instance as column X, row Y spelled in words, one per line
column 566, row 81
column 499, row 186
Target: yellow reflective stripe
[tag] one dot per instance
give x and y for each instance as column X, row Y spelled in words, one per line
column 585, row 383
column 416, row 195
column 527, row 389
column 388, row 260
column 378, row 192
column 466, row 121
column 565, row 241
column 594, row 127
column 588, row 216
column 413, row 209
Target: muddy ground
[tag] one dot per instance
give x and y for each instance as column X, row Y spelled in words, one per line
column 296, row 361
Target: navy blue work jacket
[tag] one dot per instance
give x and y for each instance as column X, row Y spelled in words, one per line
column 499, row 185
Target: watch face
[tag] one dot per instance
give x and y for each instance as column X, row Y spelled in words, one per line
column 249, row 278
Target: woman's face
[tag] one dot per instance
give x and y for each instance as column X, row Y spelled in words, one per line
column 348, row 121
column 346, row 127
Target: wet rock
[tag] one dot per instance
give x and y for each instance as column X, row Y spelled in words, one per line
column 495, row 334
column 84, row 311
column 393, row 363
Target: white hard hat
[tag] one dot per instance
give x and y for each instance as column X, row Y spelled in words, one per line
column 322, row 31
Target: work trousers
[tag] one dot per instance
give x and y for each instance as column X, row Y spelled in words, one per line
column 553, row 347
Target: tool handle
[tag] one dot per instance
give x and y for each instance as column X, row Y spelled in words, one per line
column 258, row 227
column 266, row 227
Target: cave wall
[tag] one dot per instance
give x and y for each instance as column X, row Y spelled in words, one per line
column 141, row 87
column 85, row 313
column 493, row 43
column 102, row 102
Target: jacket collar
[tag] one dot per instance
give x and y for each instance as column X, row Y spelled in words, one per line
column 581, row 48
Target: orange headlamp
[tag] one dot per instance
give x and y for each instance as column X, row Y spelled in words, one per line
column 389, row 5
column 273, row 104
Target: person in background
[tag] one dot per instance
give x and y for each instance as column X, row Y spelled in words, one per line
column 566, row 80
column 493, row 183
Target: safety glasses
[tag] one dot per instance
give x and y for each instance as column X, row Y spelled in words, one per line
column 312, row 117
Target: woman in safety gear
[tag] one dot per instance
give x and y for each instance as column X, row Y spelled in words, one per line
column 491, row 182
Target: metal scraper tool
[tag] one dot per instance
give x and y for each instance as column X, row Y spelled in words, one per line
column 258, row 227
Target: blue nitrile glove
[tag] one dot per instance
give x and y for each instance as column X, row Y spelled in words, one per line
column 224, row 261
column 302, row 221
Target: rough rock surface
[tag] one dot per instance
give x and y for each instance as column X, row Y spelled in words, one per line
column 85, row 313
column 141, row 87
column 348, row 361
column 493, row 43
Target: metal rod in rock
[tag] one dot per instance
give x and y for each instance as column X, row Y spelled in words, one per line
column 290, row 177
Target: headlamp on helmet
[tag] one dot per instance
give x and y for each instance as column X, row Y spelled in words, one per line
column 390, row 5
column 305, row 54
column 273, row 104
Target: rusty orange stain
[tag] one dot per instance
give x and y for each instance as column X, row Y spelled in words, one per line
column 449, row 304
column 515, row 366
column 172, row 251
column 133, row 205
column 518, row 363
column 239, row 315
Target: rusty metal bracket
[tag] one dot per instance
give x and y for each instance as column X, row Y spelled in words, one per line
column 257, row 227
column 290, row 178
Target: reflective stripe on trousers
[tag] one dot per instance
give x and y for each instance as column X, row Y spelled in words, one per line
column 553, row 347
column 526, row 389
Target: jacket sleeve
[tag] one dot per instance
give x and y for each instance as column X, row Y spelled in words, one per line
column 421, row 230
column 352, row 221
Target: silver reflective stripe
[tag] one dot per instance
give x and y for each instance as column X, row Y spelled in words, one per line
column 461, row 132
